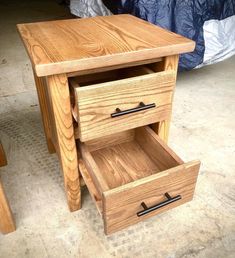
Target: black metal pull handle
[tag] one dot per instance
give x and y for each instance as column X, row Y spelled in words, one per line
column 141, row 107
column 157, row 206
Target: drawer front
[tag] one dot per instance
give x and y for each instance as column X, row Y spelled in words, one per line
column 115, row 106
column 146, row 197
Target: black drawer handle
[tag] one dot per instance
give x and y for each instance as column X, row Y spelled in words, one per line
column 141, row 107
column 157, row 206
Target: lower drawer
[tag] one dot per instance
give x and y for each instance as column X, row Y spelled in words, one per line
column 134, row 175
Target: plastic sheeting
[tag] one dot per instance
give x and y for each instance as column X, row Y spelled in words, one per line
column 219, row 39
column 183, row 17
column 88, row 8
column 210, row 23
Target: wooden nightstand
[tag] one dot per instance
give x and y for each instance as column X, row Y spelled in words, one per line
column 105, row 87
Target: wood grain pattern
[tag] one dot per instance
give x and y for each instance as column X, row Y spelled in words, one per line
column 156, row 149
column 142, row 168
column 121, row 204
column 110, row 140
column 90, row 185
column 3, row 159
column 87, row 79
column 97, row 102
column 125, row 157
column 65, row 46
column 114, row 67
column 94, row 171
column 124, row 163
column 41, row 87
column 59, row 95
column 169, row 63
column 95, row 78
column 7, row 224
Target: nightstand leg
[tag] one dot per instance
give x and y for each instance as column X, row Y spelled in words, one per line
column 169, row 63
column 3, row 160
column 43, row 102
column 7, row 224
column 65, row 146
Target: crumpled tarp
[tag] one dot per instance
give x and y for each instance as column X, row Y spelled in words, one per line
column 88, row 8
column 219, row 36
column 185, row 17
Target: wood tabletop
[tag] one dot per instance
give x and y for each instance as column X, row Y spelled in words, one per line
column 64, row 46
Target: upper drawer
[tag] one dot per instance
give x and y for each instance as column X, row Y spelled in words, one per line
column 122, row 104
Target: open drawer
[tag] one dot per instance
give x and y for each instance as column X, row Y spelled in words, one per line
column 134, row 175
column 121, row 99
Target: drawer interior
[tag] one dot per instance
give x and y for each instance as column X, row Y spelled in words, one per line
column 118, row 74
column 134, row 175
column 126, row 157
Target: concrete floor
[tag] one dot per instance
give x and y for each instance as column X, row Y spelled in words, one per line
column 202, row 128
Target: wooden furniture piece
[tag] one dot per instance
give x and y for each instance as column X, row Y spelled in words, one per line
column 7, row 224
column 105, row 87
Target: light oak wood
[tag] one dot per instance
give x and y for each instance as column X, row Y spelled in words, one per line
column 110, row 140
column 114, row 67
column 125, row 157
column 65, row 46
column 152, row 144
column 90, row 185
column 58, row 133
column 89, row 49
column 60, row 99
column 3, row 160
column 121, row 204
column 95, row 173
column 134, row 71
column 7, row 223
column 140, row 163
column 45, row 111
column 95, row 78
column 87, row 79
column 124, row 163
column 169, row 63
column 97, row 102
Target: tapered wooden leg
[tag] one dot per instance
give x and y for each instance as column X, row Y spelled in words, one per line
column 66, row 147
column 3, row 160
column 169, row 63
column 44, row 107
column 7, row 224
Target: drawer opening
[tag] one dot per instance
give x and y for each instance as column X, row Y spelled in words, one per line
column 126, row 157
column 101, row 77
column 93, row 105
column 130, row 174
column 89, row 79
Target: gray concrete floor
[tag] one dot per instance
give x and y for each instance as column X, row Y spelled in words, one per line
column 202, row 128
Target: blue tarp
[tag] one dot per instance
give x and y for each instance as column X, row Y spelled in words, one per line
column 185, row 17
